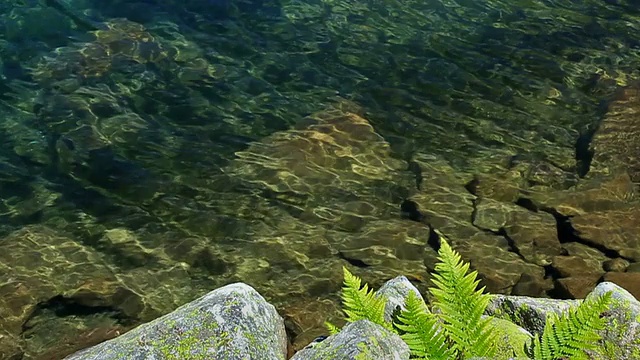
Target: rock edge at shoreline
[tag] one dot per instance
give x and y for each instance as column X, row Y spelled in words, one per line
column 236, row 322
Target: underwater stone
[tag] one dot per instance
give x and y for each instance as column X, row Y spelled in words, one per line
column 568, row 266
column 360, row 339
column 616, row 143
column 11, row 347
column 39, row 264
column 615, row 265
column 232, row 322
column 448, row 207
column 615, row 230
column 599, row 194
column 629, row 281
column 576, row 287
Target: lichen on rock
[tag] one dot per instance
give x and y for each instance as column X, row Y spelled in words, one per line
column 232, row 322
column 358, row 340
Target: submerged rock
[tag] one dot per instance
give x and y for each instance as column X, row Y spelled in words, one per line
column 606, row 193
column 617, row 230
column 533, row 234
column 333, row 166
column 11, row 347
column 616, row 143
column 630, row 281
column 232, row 322
column 445, row 204
column 42, row 270
column 328, row 192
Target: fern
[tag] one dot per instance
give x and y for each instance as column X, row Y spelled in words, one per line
column 332, row 328
column 569, row 335
column 462, row 306
column 361, row 303
column 422, row 332
column 458, row 330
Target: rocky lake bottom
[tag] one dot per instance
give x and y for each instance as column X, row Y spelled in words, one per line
column 154, row 152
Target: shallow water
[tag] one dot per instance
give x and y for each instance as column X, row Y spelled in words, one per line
column 170, row 146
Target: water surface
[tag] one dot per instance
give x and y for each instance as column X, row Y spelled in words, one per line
column 161, row 149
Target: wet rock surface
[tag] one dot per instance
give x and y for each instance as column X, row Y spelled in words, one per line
column 615, row 265
column 594, row 258
column 605, row 193
column 596, row 217
column 576, row 287
column 335, row 182
column 615, row 230
column 444, row 204
column 533, row 235
column 12, row 347
column 568, row 266
column 330, row 166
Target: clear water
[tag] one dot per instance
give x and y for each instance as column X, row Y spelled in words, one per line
column 129, row 128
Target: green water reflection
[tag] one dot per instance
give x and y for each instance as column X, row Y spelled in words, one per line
column 188, row 144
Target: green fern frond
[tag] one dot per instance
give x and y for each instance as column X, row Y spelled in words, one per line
column 332, row 328
column 358, row 302
column 422, row 333
column 569, row 335
column 461, row 305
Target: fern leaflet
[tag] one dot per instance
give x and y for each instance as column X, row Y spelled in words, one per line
column 422, row 333
column 461, row 305
column 359, row 302
column 332, row 328
column 569, row 335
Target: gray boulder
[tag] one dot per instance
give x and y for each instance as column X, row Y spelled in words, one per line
column 235, row 322
column 621, row 335
column 358, row 340
column 396, row 291
column 528, row 312
column 232, row 322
